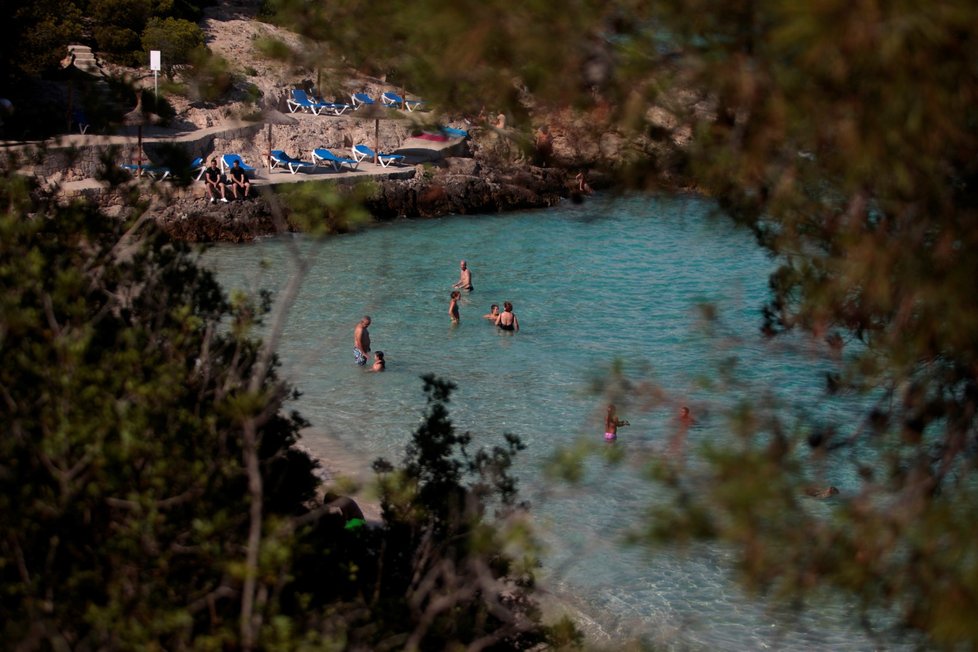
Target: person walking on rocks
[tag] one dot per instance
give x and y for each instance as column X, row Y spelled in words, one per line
column 214, row 183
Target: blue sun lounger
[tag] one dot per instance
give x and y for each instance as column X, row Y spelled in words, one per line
column 327, row 157
column 332, row 108
column 197, row 168
column 282, row 160
column 153, row 171
column 362, row 152
column 361, row 99
column 394, row 100
column 300, row 100
column 227, row 162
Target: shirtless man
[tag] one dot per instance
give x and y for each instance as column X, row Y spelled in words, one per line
column 361, row 341
column 464, row 278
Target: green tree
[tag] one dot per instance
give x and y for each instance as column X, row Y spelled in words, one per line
column 175, row 38
column 844, row 135
column 118, row 26
column 124, row 406
column 34, row 36
column 440, row 573
column 150, row 492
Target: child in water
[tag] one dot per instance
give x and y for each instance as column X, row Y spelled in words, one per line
column 379, row 363
column 612, row 423
column 453, row 306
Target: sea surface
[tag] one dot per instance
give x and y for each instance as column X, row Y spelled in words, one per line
column 615, row 282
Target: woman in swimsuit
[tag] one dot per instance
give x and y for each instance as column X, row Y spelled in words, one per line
column 379, row 363
column 506, row 320
column 453, row 306
column 612, row 423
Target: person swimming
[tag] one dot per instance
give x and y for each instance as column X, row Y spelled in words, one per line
column 379, row 363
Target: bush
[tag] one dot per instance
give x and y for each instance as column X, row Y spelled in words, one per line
column 209, row 78
column 118, row 44
column 175, row 38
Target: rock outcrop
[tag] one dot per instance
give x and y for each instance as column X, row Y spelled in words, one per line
column 461, row 187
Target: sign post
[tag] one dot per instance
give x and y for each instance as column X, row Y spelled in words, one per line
column 154, row 65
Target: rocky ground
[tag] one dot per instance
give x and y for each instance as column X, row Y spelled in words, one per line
column 501, row 168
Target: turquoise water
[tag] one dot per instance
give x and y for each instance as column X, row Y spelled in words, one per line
column 608, row 279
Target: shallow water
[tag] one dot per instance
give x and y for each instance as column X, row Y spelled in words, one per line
column 609, row 279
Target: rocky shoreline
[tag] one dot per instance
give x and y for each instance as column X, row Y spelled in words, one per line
column 460, row 187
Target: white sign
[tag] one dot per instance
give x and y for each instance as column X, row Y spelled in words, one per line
column 154, row 60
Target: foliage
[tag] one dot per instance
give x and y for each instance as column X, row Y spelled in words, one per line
column 33, row 36
column 444, row 555
column 844, row 136
column 118, row 26
column 210, row 76
column 123, row 402
column 149, row 482
column 323, row 209
column 175, row 38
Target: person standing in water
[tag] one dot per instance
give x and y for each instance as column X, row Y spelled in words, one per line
column 464, row 277
column 612, row 423
column 361, row 341
column 493, row 313
column 506, row 320
column 453, row 306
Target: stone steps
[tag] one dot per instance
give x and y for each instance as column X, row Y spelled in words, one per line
column 84, row 59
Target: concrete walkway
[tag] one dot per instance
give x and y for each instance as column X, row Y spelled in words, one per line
column 416, row 150
column 194, row 139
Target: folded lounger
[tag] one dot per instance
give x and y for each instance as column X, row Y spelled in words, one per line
column 152, row 171
column 392, row 99
column 361, row 99
column 396, row 101
column 329, row 158
column 301, row 101
column 361, row 152
column 282, row 160
column 332, row 108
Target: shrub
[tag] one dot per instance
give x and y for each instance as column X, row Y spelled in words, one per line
column 175, row 38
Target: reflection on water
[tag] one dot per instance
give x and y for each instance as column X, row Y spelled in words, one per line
column 591, row 284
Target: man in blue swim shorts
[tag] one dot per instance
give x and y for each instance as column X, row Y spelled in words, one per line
column 361, row 341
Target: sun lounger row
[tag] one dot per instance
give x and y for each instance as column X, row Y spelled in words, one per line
column 155, row 172
column 301, row 101
column 322, row 157
column 389, row 99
